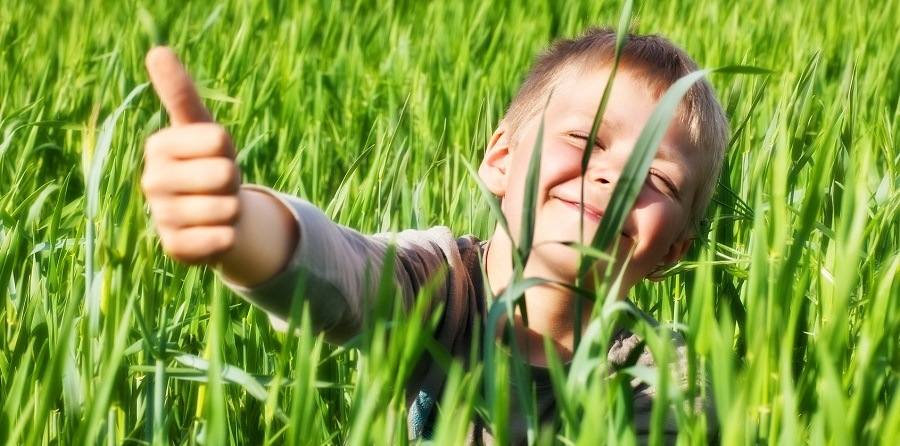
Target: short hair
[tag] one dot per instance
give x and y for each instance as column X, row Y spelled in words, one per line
column 653, row 61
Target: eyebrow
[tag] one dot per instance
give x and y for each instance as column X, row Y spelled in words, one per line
column 604, row 122
column 665, row 153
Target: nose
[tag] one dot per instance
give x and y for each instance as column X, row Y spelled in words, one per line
column 604, row 175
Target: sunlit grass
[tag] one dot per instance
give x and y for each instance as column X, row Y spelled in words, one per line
column 372, row 111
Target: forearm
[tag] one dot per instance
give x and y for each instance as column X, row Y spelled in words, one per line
column 265, row 238
column 338, row 268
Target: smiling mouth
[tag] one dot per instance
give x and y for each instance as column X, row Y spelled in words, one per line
column 588, row 211
column 591, row 213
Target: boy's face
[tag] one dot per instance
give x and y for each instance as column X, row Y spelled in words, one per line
column 654, row 229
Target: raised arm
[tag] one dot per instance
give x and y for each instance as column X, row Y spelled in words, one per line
column 193, row 187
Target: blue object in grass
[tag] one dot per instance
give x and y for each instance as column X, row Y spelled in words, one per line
column 420, row 416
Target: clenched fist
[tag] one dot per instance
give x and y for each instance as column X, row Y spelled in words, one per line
column 192, row 185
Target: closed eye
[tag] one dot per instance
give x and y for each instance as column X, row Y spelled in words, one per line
column 598, row 144
column 662, row 183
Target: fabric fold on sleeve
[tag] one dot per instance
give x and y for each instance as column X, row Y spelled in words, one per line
column 337, row 271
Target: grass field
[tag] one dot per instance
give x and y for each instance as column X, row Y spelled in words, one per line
column 371, row 109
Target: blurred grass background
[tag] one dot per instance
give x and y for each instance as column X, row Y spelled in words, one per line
column 369, row 109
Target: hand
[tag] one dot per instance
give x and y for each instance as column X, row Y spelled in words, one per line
column 192, row 184
column 190, row 178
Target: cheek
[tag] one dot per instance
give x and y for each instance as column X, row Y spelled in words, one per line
column 661, row 220
column 560, row 164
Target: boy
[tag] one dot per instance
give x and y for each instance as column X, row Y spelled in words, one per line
column 262, row 241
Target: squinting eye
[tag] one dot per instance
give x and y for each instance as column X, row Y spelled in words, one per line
column 662, row 183
column 598, row 145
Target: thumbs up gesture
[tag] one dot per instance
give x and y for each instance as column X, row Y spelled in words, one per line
column 190, row 177
column 192, row 185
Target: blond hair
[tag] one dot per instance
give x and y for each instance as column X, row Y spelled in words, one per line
column 653, row 61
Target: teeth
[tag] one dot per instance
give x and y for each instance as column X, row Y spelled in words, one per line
column 586, row 210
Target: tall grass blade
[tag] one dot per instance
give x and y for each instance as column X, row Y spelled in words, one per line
column 529, row 199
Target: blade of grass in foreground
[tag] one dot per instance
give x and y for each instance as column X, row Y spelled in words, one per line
column 92, row 194
column 93, row 292
column 213, row 422
column 493, row 204
column 621, row 33
column 526, row 225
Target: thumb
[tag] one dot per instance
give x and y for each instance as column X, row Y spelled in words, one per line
column 175, row 88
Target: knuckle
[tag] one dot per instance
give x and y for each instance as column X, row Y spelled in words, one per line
column 224, row 173
column 150, row 182
column 156, row 147
column 184, row 247
column 231, row 208
column 221, row 139
column 225, row 239
column 163, row 213
column 168, row 242
column 152, row 145
column 234, row 177
column 197, row 245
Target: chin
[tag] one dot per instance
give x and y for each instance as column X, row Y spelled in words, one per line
column 603, row 272
column 598, row 275
column 554, row 261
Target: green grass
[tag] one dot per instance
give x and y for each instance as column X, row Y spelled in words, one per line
column 372, row 111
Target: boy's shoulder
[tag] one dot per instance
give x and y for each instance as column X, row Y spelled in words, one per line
column 441, row 235
column 628, row 348
column 458, row 251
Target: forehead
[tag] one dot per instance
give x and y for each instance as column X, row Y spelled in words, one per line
column 581, row 88
column 577, row 93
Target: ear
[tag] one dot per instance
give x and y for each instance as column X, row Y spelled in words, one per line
column 494, row 167
column 676, row 251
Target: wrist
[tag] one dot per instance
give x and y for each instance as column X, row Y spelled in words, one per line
column 266, row 237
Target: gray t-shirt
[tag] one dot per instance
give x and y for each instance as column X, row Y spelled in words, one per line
column 340, row 269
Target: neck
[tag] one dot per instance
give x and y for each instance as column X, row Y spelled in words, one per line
column 551, row 309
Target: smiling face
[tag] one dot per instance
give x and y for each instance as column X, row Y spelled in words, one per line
column 654, row 231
